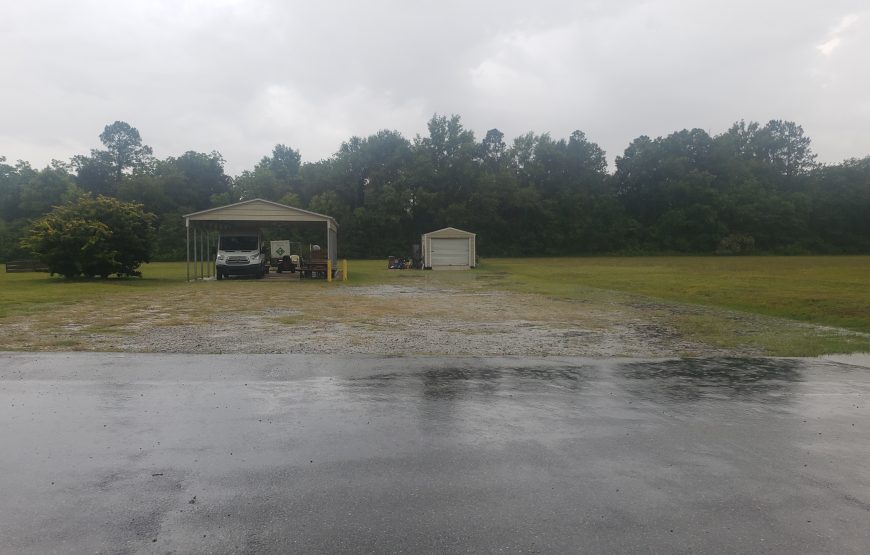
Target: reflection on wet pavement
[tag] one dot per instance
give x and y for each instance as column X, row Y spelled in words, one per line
column 454, row 382
column 728, row 378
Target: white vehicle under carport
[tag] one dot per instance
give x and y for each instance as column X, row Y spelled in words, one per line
column 240, row 255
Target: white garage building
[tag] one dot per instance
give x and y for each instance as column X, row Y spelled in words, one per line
column 449, row 249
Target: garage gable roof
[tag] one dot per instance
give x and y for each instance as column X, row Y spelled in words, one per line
column 450, row 232
column 258, row 210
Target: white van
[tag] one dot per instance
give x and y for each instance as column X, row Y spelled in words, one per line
column 241, row 254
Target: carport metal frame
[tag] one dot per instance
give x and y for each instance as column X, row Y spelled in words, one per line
column 249, row 213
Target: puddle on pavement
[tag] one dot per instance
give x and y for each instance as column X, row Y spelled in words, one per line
column 677, row 380
column 452, row 383
column 693, row 379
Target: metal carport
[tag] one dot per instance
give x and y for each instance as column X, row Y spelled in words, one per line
column 245, row 214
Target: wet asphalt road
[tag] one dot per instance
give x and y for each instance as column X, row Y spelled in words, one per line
column 109, row 453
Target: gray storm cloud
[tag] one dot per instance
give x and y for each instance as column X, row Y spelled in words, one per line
column 239, row 77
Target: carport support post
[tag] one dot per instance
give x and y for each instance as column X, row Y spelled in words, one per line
column 330, row 245
column 202, row 255
column 195, row 258
column 201, row 265
column 208, row 251
column 187, row 228
column 197, row 254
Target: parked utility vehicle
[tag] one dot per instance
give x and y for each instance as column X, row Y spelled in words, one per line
column 241, row 254
column 286, row 255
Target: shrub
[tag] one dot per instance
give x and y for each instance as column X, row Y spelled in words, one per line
column 93, row 237
column 736, row 243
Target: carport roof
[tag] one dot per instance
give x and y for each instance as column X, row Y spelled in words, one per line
column 258, row 210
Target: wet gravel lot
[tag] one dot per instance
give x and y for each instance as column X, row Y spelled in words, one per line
column 139, row 453
column 397, row 320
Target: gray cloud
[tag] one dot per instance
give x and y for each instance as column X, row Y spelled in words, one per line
column 241, row 76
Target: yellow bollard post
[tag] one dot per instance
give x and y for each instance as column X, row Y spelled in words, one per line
column 329, row 270
column 344, row 270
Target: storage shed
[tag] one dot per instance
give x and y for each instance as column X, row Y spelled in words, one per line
column 449, row 249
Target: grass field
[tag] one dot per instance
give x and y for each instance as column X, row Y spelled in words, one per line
column 827, row 291
column 25, row 293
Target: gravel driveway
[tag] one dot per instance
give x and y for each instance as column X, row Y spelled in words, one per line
column 426, row 316
column 396, row 319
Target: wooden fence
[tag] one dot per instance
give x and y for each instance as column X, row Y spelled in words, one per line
column 25, row 266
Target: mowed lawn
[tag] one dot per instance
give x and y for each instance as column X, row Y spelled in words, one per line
column 829, row 291
column 25, row 293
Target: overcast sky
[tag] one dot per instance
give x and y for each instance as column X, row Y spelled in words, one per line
column 241, row 76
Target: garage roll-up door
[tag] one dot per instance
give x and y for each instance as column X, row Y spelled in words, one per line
column 449, row 252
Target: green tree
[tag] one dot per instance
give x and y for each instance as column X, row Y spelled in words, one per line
column 840, row 200
column 12, row 183
column 753, row 186
column 667, row 186
column 124, row 146
column 259, row 183
column 285, row 163
column 102, row 171
column 783, row 145
column 93, row 237
column 275, row 177
column 492, row 150
column 195, row 180
column 364, row 186
column 47, row 188
column 95, row 173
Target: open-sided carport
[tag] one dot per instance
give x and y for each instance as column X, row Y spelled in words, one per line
column 204, row 225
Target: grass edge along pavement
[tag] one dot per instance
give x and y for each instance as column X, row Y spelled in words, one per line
column 827, row 294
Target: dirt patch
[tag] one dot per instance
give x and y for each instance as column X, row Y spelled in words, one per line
column 429, row 315
column 390, row 319
column 395, row 319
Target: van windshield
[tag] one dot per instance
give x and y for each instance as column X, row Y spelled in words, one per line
column 239, row 243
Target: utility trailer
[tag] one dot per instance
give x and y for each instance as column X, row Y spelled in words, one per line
column 285, row 255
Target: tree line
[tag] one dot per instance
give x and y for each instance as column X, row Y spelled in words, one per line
column 751, row 189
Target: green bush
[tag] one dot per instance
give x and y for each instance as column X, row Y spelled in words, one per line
column 93, row 237
column 736, row 243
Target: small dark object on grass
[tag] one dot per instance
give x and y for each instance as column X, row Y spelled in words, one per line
column 286, row 265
